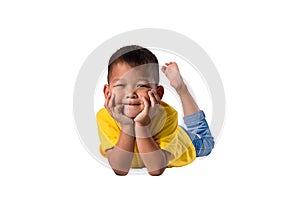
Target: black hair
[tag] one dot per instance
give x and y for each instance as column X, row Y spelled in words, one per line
column 133, row 55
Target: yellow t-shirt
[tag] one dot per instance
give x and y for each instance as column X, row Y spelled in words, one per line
column 167, row 134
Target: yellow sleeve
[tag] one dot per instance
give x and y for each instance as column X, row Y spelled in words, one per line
column 173, row 139
column 108, row 131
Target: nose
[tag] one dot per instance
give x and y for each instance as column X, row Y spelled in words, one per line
column 131, row 94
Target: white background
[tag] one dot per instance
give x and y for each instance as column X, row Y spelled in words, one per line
column 254, row 45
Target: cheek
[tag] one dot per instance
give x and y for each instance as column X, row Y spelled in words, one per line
column 143, row 93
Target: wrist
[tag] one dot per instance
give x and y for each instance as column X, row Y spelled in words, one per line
column 128, row 129
column 182, row 90
column 142, row 131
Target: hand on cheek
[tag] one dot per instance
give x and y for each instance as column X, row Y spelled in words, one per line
column 116, row 111
column 151, row 105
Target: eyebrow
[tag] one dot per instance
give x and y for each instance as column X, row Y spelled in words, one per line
column 142, row 80
column 114, row 80
column 121, row 79
column 146, row 80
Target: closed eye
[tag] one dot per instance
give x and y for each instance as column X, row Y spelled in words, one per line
column 119, row 85
column 142, row 85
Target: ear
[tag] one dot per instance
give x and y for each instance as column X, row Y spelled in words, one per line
column 106, row 90
column 160, row 91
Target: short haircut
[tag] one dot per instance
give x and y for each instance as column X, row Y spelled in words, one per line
column 134, row 56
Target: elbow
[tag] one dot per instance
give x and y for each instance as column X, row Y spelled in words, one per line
column 157, row 172
column 120, row 173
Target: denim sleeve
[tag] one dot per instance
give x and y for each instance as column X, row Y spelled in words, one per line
column 199, row 132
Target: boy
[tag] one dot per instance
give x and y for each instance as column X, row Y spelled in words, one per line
column 136, row 128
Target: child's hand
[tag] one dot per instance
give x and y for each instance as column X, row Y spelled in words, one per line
column 144, row 118
column 116, row 111
column 172, row 73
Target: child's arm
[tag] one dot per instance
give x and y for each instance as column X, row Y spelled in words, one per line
column 153, row 157
column 120, row 156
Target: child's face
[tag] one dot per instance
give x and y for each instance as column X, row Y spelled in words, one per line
column 130, row 84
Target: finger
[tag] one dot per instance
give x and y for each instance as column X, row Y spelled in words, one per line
column 157, row 97
column 163, row 69
column 115, row 112
column 118, row 109
column 146, row 105
column 106, row 103
column 111, row 101
column 106, row 100
column 152, row 98
column 111, row 105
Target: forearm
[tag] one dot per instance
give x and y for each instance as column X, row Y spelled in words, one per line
column 188, row 103
column 153, row 157
column 120, row 157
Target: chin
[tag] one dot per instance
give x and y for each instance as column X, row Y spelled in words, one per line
column 132, row 113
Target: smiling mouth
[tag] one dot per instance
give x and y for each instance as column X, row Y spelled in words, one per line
column 132, row 104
